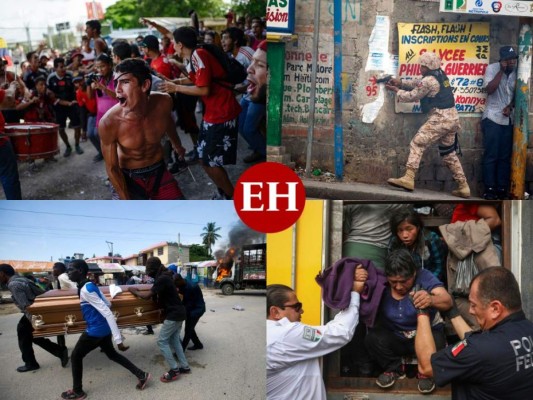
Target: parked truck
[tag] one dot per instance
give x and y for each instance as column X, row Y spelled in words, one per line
column 248, row 271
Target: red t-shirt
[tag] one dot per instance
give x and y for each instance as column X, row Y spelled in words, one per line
column 162, row 66
column 465, row 212
column 169, row 51
column 3, row 139
column 84, row 101
column 220, row 104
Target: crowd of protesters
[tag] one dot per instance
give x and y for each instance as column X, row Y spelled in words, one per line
column 77, row 88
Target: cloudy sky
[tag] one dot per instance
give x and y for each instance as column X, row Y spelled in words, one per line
column 39, row 14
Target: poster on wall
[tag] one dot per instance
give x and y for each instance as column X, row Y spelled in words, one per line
column 463, row 48
column 516, row 8
column 280, row 16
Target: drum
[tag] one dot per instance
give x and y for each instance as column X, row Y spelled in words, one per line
column 35, row 140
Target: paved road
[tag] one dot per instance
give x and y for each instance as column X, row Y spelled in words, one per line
column 231, row 365
column 79, row 178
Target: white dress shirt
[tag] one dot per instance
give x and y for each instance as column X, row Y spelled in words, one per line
column 293, row 350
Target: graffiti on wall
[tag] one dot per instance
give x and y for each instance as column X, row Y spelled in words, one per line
column 297, row 88
column 464, row 51
column 351, row 10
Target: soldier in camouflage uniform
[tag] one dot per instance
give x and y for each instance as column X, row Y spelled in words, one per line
column 436, row 99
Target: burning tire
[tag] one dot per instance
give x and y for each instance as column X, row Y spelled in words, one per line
column 227, row 289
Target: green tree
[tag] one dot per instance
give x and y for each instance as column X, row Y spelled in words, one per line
column 210, row 235
column 254, row 8
column 197, row 252
column 124, row 14
column 181, row 8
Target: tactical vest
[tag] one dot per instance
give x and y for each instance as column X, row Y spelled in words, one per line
column 444, row 98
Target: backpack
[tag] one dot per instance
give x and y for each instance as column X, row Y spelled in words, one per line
column 235, row 71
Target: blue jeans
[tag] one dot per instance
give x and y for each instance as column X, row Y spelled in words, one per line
column 9, row 173
column 249, row 121
column 169, row 338
column 92, row 133
column 498, row 144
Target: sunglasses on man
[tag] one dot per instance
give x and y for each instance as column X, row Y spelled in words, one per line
column 297, row 306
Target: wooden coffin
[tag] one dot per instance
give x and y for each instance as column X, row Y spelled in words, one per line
column 58, row 312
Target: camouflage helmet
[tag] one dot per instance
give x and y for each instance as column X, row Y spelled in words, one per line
column 430, row 60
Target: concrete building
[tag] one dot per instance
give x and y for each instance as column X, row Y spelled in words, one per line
column 370, row 136
column 168, row 253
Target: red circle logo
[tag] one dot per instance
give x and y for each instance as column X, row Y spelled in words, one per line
column 269, row 197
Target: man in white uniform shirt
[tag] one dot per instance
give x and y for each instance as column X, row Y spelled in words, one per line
column 293, row 349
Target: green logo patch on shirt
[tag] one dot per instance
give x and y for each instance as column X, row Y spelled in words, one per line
column 312, row 334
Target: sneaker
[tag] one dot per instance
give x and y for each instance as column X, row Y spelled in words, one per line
column 387, row 379
column 196, row 347
column 98, row 158
column 72, row 395
column 425, row 383
column 502, row 194
column 67, row 152
column 78, row 149
column 142, row 382
column 192, row 156
column 148, row 332
column 254, row 157
column 490, row 194
column 185, row 370
column 170, row 376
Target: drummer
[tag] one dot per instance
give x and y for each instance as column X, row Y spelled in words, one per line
column 9, row 174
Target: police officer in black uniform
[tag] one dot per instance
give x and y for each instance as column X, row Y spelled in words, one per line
column 494, row 363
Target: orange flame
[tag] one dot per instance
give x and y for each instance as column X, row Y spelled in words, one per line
column 222, row 273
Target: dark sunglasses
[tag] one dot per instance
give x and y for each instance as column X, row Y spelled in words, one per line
column 297, row 306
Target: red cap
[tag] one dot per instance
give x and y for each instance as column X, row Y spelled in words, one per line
column 263, row 45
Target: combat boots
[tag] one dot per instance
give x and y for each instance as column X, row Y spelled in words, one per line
column 406, row 182
column 462, row 190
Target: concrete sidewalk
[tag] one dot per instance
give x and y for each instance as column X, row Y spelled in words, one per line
column 365, row 191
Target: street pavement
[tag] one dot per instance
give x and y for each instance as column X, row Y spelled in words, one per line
column 231, row 365
column 77, row 177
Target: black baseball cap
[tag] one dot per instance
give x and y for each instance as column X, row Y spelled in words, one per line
column 151, row 42
column 507, row 53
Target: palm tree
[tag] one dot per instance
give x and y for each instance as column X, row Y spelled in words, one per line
column 210, row 235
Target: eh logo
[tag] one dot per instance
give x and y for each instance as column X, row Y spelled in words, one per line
column 269, row 197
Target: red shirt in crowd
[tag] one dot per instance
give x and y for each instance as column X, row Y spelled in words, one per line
column 162, row 66
column 84, row 101
column 220, row 104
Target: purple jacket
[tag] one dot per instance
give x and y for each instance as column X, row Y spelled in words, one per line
column 336, row 282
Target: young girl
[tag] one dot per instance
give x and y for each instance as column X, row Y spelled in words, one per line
column 426, row 247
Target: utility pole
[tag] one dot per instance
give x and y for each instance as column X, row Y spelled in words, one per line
column 110, row 244
column 28, row 37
